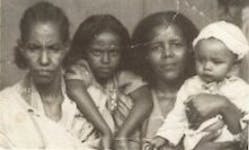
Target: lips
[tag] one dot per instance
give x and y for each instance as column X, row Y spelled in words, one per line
column 44, row 72
column 168, row 66
column 207, row 77
column 105, row 69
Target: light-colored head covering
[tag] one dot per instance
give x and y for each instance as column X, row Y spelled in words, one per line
column 229, row 34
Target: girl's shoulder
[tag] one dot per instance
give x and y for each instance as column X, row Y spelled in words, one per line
column 80, row 70
column 129, row 81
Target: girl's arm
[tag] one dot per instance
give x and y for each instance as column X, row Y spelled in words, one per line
column 140, row 111
column 76, row 90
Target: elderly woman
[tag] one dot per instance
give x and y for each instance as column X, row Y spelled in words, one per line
column 162, row 54
column 36, row 113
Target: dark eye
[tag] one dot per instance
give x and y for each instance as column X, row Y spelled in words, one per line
column 55, row 48
column 115, row 52
column 156, row 47
column 177, row 44
column 96, row 52
column 33, row 47
column 217, row 62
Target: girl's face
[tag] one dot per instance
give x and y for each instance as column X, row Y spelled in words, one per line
column 168, row 53
column 103, row 55
column 213, row 60
column 44, row 52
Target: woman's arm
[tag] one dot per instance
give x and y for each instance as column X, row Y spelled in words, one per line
column 205, row 106
column 77, row 92
column 207, row 144
column 141, row 110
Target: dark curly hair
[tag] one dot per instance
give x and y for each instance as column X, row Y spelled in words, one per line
column 87, row 31
column 40, row 12
column 143, row 34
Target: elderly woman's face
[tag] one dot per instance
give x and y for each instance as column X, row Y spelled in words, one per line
column 103, row 55
column 44, row 52
column 168, row 53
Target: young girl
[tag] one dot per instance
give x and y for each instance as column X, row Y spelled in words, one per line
column 217, row 48
column 95, row 75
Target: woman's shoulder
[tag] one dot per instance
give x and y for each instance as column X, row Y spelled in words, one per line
column 9, row 96
column 9, row 91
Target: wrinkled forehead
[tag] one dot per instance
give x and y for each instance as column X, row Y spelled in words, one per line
column 42, row 30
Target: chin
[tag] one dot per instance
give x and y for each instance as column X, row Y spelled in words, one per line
column 43, row 80
column 171, row 76
column 104, row 76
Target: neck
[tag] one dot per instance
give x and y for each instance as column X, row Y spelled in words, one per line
column 51, row 92
column 167, row 88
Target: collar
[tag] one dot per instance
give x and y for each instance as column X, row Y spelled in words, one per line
column 33, row 104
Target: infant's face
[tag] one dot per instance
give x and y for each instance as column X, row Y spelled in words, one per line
column 213, row 60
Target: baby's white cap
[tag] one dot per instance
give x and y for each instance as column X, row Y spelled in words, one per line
column 229, row 34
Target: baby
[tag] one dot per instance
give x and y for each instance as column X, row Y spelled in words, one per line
column 218, row 47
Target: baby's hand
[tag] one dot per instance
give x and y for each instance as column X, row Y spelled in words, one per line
column 157, row 143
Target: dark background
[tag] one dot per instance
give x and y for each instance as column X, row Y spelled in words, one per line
column 129, row 12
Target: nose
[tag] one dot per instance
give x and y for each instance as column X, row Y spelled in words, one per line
column 168, row 52
column 44, row 59
column 105, row 58
column 208, row 66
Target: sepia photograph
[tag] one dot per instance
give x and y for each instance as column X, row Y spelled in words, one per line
column 124, row 74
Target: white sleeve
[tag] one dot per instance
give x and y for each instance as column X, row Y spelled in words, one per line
column 176, row 122
column 5, row 143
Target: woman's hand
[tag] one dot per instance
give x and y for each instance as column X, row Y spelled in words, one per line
column 207, row 105
column 207, row 143
column 157, row 142
column 204, row 106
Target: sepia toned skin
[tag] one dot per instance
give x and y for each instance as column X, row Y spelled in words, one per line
column 103, row 55
column 167, row 53
column 44, row 52
column 213, row 60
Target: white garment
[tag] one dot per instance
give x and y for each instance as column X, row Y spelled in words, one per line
column 176, row 124
column 154, row 121
column 24, row 125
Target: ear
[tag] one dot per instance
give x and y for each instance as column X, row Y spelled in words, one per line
column 67, row 46
column 237, row 62
column 235, row 68
column 20, row 45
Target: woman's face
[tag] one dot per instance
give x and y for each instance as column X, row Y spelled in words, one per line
column 44, row 52
column 231, row 13
column 168, row 53
column 103, row 55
